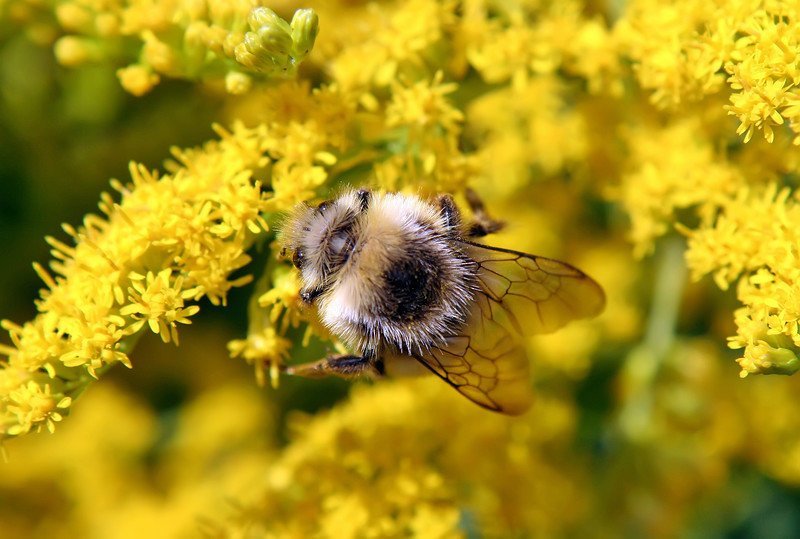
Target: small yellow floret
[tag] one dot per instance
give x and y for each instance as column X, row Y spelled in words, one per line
column 137, row 79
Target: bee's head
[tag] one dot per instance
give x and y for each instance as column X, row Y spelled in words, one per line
column 319, row 239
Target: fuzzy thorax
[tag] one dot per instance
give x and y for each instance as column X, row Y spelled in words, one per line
column 383, row 269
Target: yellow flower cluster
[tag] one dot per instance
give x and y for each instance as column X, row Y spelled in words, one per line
column 527, row 131
column 754, row 240
column 687, row 50
column 340, row 476
column 383, row 44
column 696, row 174
column 168, row 242
column 588, row 126
column 235, row 41
column 679, row 48
column 660, row 184
column 517, row 45
column 140, row 480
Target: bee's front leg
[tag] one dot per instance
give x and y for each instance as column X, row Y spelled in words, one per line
column 343, row 366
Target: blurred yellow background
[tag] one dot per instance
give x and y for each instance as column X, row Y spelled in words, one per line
column 648, row 143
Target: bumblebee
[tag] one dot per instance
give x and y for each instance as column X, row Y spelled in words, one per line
column 403, row 283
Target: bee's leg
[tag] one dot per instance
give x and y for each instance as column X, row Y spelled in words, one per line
column 343, row 366
column 308, row 296
column 364, row 198
column 482, row 224
column 449, row 211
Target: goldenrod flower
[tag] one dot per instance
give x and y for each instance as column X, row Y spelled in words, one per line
column 754, row 240
column 185, row 39
column 187, row 232
column 423, row 107
column 283, row 297
column 673, row 169
column 388, row 464
column 641, row 140
column 396, row 41
column 157, row 300
column 262, row 349
column 32, row 406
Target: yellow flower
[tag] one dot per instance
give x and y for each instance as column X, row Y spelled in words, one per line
column 71, row 51
column 761, row 358
column 524, row 131
column 114, row 444
column 757, row 104
column 158, row 301
column 680, row 50
column 423, row 106
column 137, row 79
column 519, row 44
column 509, row 53
column 426, row 131
column 94, row 340
column 764, row 69
column 293, row 184
column 262, row 349
column 671, row 55
column 283, row 297
column 33, row 406
column 385, row 42
column 34, row 343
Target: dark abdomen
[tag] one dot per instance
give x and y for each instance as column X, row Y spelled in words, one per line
column 412, row 285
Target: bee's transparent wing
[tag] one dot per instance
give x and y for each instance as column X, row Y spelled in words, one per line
column 532, row 293
column 521, row 293
column 485, row 363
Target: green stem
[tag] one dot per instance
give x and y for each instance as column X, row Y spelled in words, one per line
column 644, row 361
column 669, row 285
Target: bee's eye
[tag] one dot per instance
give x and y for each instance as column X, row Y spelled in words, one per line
column 323, row 206
column 298, row 258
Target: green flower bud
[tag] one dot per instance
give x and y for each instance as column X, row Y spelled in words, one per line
column 779, row 361
column 273, row 46
column 262, row 16
column 304, row 28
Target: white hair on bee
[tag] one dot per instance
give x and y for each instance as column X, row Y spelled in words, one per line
column 382, row 269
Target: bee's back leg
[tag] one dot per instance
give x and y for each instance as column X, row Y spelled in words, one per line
column 343, row 366
column 482, row 224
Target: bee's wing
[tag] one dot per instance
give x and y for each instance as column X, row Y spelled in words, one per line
column 485, row 363
column 532, row 294
column 519, row 292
